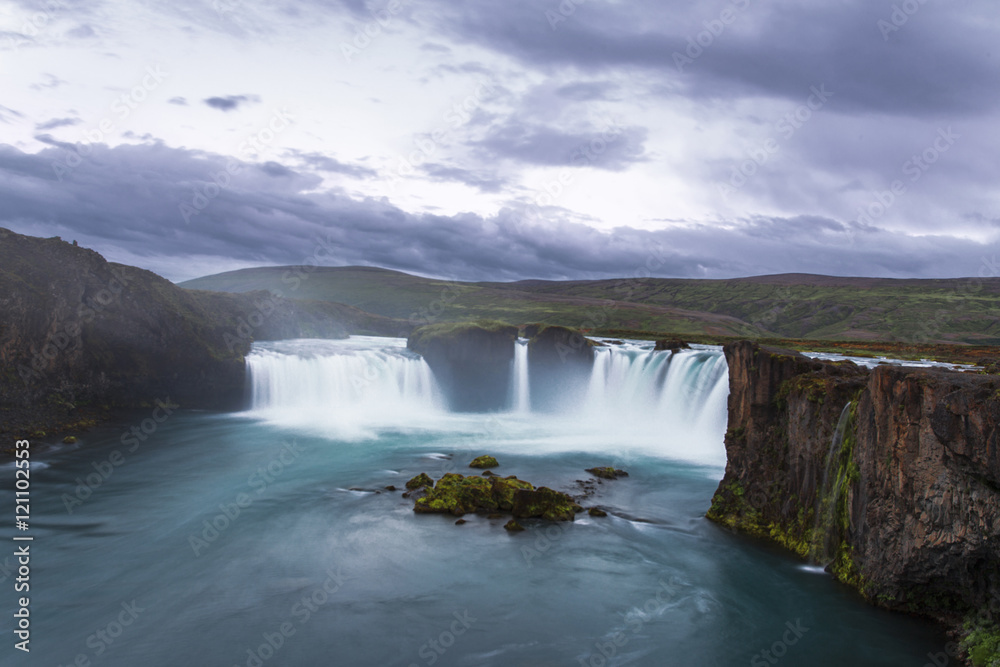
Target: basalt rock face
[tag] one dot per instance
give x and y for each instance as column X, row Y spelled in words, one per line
column 908, row 498
column 561, row 360
column 471, row 362
column 78, row 333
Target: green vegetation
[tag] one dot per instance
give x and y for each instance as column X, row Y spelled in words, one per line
column 982, row 644
column 484, row 461
column 770, row 307
column 452, row 330
column 458, row 495
column 423, row 479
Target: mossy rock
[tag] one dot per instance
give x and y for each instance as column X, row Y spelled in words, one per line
column 513, row 526
column 484, row 461
column 458, row 495
column 596, row 511
column 504, row 489
column 607, row 472
column 423, row 479
column 69, row 440
column 544, row 503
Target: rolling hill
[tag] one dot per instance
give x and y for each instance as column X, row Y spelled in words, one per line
column 797, row 306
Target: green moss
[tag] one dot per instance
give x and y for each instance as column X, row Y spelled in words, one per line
column 545, row 503
column 736, row 434
column 607, row 472
column 459, row 495
column 423, row 479
column 982, row 643
column 504, row 489
column 446, row 331
column 484, row 461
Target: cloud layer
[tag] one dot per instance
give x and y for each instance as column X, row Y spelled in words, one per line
column 523, row 139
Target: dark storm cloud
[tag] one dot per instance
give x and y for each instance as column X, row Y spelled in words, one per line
column 57, row 122
column 129, row 199
column 937, row 61
column 230, row 102
column 613, row 147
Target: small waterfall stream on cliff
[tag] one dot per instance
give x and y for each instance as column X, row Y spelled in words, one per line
column 828, row 496
column 520, row 386
column 273, row 536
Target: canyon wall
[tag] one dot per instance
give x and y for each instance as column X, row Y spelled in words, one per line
column 903, row 505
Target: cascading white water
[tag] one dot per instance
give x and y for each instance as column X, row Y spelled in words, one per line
column 520, row 389
column 675, row 400
column 345, row 388
column 636, row 399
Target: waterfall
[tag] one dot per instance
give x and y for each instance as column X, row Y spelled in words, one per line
column 346, row 388
column 828, row 496
column 634, row 398
column 520, row 389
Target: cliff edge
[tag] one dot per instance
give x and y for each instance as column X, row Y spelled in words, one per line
column 889, row 476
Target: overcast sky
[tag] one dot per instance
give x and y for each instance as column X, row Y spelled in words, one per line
column 505, row 140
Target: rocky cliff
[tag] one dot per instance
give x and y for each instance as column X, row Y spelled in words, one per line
column 471, row 362
column 561, row 360
column 890, row 476
column 80, row 335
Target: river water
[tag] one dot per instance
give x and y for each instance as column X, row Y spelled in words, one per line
column 267, row 537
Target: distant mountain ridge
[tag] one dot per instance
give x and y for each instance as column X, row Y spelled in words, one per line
column 958, row 310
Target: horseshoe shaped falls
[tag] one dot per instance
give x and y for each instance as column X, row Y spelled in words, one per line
column 271, row 536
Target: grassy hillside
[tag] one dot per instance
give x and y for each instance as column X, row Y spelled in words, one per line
column 425, row 301
column 786, row 306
